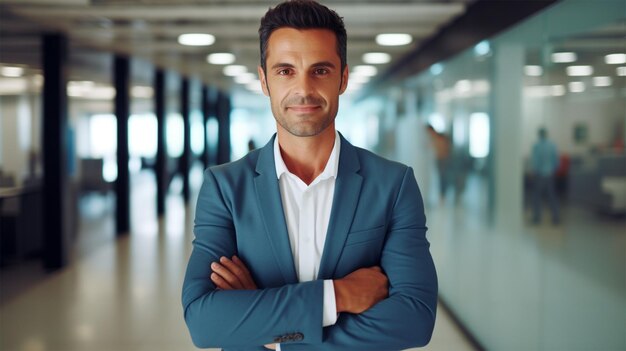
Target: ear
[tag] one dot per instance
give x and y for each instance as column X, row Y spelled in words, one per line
column 344, row 80
column 263, row 80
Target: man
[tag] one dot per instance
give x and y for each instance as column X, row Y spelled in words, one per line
column 309, row 243
column 545, row 161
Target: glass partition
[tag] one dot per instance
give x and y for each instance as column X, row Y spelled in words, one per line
column 518, row 147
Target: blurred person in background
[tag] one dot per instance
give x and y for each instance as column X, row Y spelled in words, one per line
column 309, row 243
column 544, row 162
column 442, row 146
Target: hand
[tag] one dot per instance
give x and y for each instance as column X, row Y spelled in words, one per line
column 360, row 290
column 231, row 275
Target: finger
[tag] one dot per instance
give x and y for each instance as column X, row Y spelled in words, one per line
column 376, row 268
column 248, row 276
column 220, row 282
column 226, row 275
column 235, row 270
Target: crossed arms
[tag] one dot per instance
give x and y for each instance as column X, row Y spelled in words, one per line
column 230, row 311
column 354, row 293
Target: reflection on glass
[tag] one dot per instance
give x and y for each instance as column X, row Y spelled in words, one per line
column 142, row 135
column 103, row 135
column 197, row 132
column 479, row 135
column 212, row 135
column 240, row 132
column 103, row 143
column 175, row 135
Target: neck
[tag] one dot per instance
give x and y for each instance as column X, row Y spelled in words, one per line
column 306, row 157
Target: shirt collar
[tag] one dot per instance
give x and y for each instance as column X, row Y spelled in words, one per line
column 330, row 171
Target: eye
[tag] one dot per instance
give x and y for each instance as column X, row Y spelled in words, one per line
column 284, row 72
column 321, row 71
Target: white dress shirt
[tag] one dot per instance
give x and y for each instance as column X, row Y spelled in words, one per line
column 307, row 213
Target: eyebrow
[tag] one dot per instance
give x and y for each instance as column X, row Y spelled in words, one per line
column 317, row 64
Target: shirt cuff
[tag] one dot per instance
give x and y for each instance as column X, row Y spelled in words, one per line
column 329, row 316
column 277, row 347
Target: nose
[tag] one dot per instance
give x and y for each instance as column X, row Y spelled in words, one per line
column 304, row 85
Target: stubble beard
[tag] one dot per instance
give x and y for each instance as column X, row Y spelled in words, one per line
column 305, row 125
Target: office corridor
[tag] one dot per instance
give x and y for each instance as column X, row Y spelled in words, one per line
column 124, row 294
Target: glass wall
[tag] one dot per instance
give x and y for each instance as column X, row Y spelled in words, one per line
column 21, row 170
column 518, row 146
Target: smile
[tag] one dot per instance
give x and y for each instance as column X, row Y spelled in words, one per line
column 304, row 108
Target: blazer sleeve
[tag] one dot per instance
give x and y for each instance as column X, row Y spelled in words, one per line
column 240, row 318
column 407, row 317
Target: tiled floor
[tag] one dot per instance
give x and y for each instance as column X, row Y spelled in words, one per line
column 124, row 294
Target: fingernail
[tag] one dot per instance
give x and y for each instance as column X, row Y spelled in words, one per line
column 223, row 259
column 213, row 265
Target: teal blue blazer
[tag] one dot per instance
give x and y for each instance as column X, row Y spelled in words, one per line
column 377, row 218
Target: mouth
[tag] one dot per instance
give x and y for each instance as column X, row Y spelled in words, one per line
column 304, row 108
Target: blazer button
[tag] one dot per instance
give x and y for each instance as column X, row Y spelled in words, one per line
column 298, row 337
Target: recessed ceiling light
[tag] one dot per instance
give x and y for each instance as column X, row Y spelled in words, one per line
column 255, row 86
column 234, row 70
column 436, row 69
column 79, row 87
column 196, row 39
column 375, row 58
column 533, row 71
column 602, row 81
column 357, row 79
column 83, row 83
column 482, row 48
column 564, row 57
column 89, row 90
column 11, row 71
column 365, row 70
column 579, row 71
column 245, row 78
column 221, row 58
column 576, row 87
column 621, row 71
column 393, row 39
column 615, row 59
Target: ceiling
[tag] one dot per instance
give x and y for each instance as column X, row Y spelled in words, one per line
column 148, row 29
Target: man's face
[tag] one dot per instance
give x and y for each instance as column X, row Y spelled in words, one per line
column 303, row 79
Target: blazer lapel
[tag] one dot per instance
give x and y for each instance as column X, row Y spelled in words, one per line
column 345, row 200
column 271, row 207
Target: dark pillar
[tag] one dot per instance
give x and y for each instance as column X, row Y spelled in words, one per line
column 56, row 238
column 161, row 156
column 186, row 156
column 223, row 117
column 121, row 80
column 205, row 120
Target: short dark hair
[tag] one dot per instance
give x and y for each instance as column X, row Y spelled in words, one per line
column 303, row 14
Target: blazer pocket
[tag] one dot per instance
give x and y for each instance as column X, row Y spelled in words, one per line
column 366, row 235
